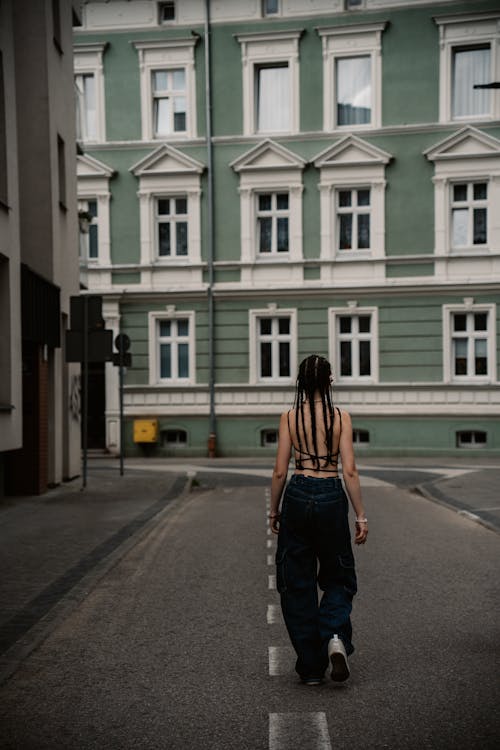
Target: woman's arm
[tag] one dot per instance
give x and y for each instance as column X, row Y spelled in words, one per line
column 280, row 471
column 351, row 478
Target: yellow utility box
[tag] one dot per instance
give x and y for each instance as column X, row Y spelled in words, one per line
column 145, row 430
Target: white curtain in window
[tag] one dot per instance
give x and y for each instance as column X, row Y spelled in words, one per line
column 354, row 90
column 470, row 66
column 273, row 102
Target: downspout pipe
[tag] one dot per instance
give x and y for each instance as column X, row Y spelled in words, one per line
column 212, row 436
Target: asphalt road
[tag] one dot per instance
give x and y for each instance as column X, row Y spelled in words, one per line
column 181, row 645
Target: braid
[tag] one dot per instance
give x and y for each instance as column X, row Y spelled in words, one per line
column 313, row 378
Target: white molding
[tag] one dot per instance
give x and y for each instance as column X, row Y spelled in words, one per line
column 469, row 306
column 93, row 178
column 165, row 55
column 268, row 155
column 166, row 160
column 170, row 313
column 271, row 311
column 88, row 58
column 352, row 308
column 351, row 41
column 260, row 48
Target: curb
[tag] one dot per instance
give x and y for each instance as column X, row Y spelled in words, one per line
column 12, row 658
column 440, row 498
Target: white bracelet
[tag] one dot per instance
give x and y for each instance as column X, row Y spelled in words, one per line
column 361, row 520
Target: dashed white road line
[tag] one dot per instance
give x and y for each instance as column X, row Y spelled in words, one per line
column 269, row 543
column 289, row 731
column 272, row 582
column 270, row 559
column 273, row 614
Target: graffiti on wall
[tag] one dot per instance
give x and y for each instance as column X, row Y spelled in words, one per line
column 75, row 397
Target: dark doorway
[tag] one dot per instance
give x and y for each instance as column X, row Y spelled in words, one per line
column 97, row 406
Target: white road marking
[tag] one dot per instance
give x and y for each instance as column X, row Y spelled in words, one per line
column 307, row 731
column 269, row 543
column 272, row 582
column 268, row 532
column 480, row 510
column 270, row 559
column 273, row 614
column 467, row 514
column 281, row 660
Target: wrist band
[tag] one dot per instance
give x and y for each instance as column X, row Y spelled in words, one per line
column 361, row 520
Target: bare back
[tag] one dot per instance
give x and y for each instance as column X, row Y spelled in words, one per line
column 307, row 457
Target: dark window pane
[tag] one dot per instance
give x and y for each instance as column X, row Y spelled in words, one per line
column 164, row 238
column 270, row 7
column 265, row 228
column 480, row 321
column 284, row 325
column 460, row 346
column 481, row 357
column 183, row 360
column 345, row 324
column 480, row 191
column 282, row 201
column 363, row 231
column 345, row 240
column 465, row 437
column 284, row 350
column 364, row 323
column 345, row 358
column 459, row 192
column 265, row 202
column 182, row 238
column 479, row 226
column 164, row 206
column 479, row 437
column 165, row 328
column 459, row 322
column 364, row 358
column 93, row 241
column 179, row 121
column 344, row 198
column 181, row 205
column 92, row 208
column 265, row 326
column 182, row 327
column 282, row 235
column 265, row 360
column 363, row 197
column 165, row 361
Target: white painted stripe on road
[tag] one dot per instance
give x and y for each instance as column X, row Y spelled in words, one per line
column 307, row 731
column 268, row 532
column 270, row 559
column 273, row 614
column 470, row 516
column 269, row 543
column 272, row 582
column 281, row 660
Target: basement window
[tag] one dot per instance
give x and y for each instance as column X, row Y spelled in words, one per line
column 471, row 439
column 269, row 438
column 174, row 437
column 360, row 436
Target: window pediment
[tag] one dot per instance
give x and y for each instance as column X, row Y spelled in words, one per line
column 87, row 166
column 467, row 143
column 268, row 155
column 167, row 160
column 351, row 151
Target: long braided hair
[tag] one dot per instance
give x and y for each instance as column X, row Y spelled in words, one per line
column 314, row 380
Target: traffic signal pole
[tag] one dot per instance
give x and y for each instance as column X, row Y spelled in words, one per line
column 85, row 389
column 121, row 355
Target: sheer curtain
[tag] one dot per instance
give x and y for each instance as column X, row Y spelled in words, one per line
column 470, row 66
column 273, row 99
column 354, row 90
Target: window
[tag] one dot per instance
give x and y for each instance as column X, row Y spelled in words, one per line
column 168, row 88
column 270, row 66
column 269, row 438
column 273, row 99
column 273, row 342
column 360, row 437
column 354, row 4
column 172, row 353
column 173, row 437
column 86, row 113
column 469, row 342
column 89, row 241
column 469, row 214
column 4, row 200
column 173, row 342
column 471, row 439
column 352, row 76
column 172, row 226
column 61, row 171
column 169, row 101
column 166, row 12
column 272, row 222
column 270, row 7
column 353, row 84
column 468, row 57
column 354, row 343
column 353, row 219
column 89, row 92
column 470, row 66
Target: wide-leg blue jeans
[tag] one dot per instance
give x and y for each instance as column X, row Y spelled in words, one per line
column 314, row 529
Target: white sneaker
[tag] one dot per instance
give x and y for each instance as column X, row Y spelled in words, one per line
column 338, row 659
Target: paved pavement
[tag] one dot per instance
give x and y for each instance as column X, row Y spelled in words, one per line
column 85, row 575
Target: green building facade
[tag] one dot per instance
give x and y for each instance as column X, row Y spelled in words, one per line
column 343, row 200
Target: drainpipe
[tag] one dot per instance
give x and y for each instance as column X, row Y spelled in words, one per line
column 210, row 243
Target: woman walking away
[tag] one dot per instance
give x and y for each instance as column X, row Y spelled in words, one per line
column 313, row 525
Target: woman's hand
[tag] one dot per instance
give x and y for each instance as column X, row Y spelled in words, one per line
column 274, row 522
column 361, row 531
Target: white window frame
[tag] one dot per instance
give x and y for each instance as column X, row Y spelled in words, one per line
column 353, row 210
column 469, row 204
column 172, row 220
column 352, row 309
column 255, row 316
column 167, row 55
column 93, row 179
column 466, row 30
column 83, row 205
column 88, row 60
column 171, row 314
column 274, row 214
column 473, row 445
column 269, row 48
column 355, row 40
column 468, row 306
